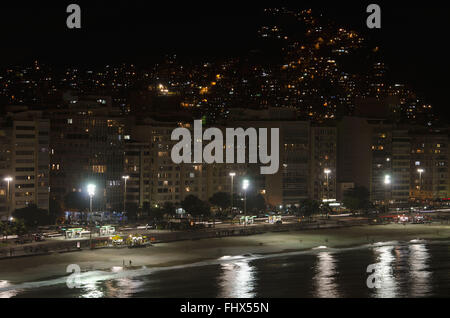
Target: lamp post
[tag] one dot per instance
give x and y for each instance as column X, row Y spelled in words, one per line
column 125, row 192
column 387, row 183
column 8, row 195
column 327, row 173
column 245, row 185
column 91, row 192
column 232, row 175
column 420, row 171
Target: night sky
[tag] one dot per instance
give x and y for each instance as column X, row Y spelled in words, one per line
column 413, row 35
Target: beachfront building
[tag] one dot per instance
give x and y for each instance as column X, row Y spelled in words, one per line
column 165, row 181
column 24, row 160
column 397, row 164
column 136, row 178
column 381, row 162
column 429, row 176
column 6, row 170
column 171, row 182
column 323, row 158
column 86, row 147
column 400, row 165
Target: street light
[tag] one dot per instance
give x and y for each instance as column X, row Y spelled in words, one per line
column 327, row 173
column 232, row 175
column 125, row 192
column 420, row 171
column 387, row 182
column 245, row 185
column 91, row 192
column 8, row 195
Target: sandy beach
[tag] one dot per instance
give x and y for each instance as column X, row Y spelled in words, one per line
column 166, row 254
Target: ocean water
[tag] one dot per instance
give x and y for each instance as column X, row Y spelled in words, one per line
column 401, row 269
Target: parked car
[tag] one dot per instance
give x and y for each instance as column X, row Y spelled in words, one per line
column 38, row 237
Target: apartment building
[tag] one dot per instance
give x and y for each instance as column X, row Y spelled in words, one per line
column 24, row 160
column 323, row 162
column 429, row 173
column 87, row 148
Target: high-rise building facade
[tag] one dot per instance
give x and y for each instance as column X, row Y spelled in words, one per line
column 87, row 148
column 136, row 178
column 6, row 170
column 323, row 162
column 24, row 160
column 381, row 161
column 396, row 163
column 400, row 165
column 429, row 165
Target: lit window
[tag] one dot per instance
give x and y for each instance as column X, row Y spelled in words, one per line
column 99, row 169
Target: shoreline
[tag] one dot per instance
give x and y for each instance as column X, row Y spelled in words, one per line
column 41, row 267
column 169, row 237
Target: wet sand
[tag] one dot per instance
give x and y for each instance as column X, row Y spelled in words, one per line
column 166, row 254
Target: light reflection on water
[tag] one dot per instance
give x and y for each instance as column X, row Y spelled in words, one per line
column 237, row 280
column 325, row 278
column 123, row 287
column 403, row 270
column 419, row 274
column 91, row 290
column 384, row 270
column 7, row 293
